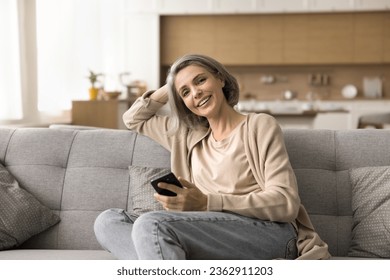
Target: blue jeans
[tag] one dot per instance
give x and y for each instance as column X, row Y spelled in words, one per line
column 193, row 235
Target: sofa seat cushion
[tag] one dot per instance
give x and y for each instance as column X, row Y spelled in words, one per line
column 371, row 208
column 36, row 254
column 21, row 214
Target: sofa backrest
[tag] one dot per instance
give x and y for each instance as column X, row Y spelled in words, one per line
column 321, row 160
column 77, row 173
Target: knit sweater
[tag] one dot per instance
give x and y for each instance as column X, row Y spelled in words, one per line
column 277, row 196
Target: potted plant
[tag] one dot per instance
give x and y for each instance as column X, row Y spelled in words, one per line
column 93, row 90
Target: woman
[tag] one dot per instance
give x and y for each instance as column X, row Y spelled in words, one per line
column 240, row 197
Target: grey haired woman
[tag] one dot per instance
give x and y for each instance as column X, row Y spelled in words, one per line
column 240, row 197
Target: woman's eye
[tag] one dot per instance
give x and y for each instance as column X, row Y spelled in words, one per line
column 184, row 93
column 201, row 80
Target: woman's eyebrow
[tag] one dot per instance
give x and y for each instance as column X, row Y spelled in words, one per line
column 197, row 76
column 193, row 79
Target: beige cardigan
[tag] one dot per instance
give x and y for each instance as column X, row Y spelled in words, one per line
column 277, row 198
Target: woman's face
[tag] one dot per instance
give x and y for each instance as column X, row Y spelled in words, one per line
column 200, row 90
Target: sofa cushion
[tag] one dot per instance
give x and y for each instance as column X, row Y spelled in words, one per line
column 43, row 254
column 371, row 208
column 142, row 191
column 22, row 215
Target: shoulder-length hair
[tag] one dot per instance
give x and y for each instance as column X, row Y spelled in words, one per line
column 179, row 111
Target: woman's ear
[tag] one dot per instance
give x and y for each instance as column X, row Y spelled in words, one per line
column 219, row 77
column 222, row 82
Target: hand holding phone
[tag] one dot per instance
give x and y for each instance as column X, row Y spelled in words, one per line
column 169, row 179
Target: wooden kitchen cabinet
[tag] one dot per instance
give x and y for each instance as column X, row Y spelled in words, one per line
column 368, row 37
column 99, row 113
column 296, row 41
column 270, row 40
column 330, row 38
column 326, row 38
column 177, row 40
column 242, row 46
column 386, row 38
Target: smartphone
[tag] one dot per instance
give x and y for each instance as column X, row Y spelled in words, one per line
column 170, row 178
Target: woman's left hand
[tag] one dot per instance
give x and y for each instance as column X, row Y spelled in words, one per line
column 188, row 198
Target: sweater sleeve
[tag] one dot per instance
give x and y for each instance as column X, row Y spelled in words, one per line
column 277, row 197
column 142, row 117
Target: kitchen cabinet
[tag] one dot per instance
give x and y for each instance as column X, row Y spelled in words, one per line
column 172, row 37
column 270, row 40
column 368, row 37
column 326, row 38
column 189, row 35
column 296, row 41
column 242, row 46
column 330, row 38
column 386, row 38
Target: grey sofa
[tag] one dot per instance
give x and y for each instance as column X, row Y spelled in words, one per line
column 80, row 173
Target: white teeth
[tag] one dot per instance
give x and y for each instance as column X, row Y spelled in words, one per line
column 201, row 103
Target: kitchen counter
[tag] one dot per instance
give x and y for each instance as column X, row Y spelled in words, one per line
column 300, row 114
column 293, row 108
column 303, row 113
column 319, row 114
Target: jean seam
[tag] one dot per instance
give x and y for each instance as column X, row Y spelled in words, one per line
column 157, row 242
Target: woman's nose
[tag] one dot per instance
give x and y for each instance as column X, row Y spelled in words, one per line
column 197, row 92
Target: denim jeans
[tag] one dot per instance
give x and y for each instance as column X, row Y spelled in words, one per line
column 193, row 235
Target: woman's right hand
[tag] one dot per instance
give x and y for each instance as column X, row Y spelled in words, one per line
column 161, row 95
column 188, row 198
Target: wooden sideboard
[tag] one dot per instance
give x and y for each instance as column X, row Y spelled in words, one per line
column 99, row 113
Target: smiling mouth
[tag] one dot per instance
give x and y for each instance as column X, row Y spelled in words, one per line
column 203, row 101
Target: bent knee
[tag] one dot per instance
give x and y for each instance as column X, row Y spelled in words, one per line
column 146, row 220
column 105, row 219
column 148, row 223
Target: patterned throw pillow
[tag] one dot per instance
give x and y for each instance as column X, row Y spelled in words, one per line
column 142, row 191
column 21, row 214
column 371, row 209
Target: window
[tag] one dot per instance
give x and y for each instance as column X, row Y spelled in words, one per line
column 74, row 36
column 10, row 75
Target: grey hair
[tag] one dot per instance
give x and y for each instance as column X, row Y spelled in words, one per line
column 179, row 111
